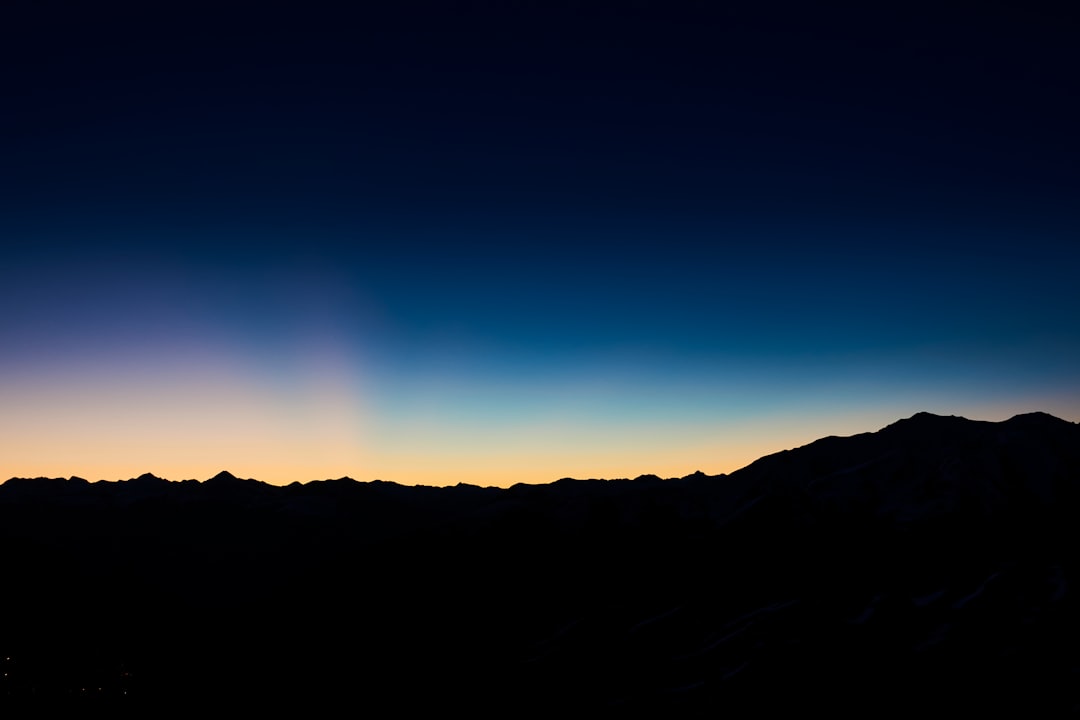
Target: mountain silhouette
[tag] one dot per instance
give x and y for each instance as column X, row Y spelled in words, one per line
column 928, row 564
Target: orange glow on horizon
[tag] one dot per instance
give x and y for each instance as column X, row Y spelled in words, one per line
column 191, row 417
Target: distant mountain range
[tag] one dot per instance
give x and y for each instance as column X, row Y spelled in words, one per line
column 928, row 565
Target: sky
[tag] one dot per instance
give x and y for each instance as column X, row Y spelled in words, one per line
column 492, row 243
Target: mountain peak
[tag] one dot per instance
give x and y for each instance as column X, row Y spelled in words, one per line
column 1036, row 417
column 927, row 417
column 224, row 476
column 928, row 420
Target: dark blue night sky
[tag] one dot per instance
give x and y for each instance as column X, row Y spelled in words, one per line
column 501, row 242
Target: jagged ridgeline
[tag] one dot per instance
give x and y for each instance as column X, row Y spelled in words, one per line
column 928, row 564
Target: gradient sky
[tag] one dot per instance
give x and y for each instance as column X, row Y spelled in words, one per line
column 512, row 242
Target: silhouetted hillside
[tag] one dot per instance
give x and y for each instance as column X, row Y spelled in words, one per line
column 929, row 564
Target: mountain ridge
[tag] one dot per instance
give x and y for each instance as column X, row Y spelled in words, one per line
column 929, row 562
column 921, row 419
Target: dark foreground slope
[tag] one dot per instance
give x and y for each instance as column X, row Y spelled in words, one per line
column 927, row 566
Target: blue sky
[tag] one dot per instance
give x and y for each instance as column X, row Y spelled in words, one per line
column 446, row 242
